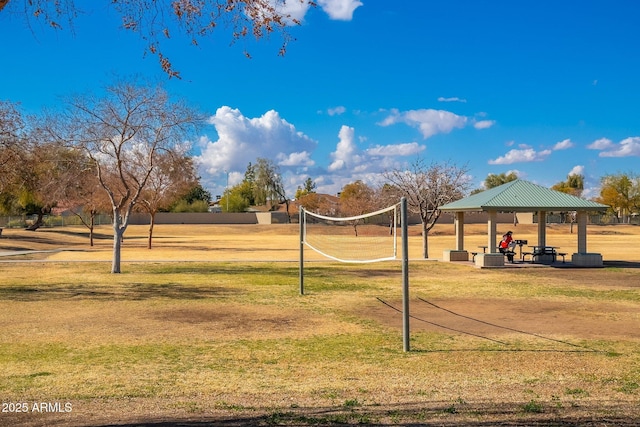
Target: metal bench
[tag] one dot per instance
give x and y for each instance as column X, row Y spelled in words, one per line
column 509, row 254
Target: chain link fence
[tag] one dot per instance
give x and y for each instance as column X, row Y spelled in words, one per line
column 23, row 221
column 595, row 219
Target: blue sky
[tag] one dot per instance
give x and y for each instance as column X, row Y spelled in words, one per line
column 542, row 88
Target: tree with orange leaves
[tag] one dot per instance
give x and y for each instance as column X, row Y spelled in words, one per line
column 155, row 21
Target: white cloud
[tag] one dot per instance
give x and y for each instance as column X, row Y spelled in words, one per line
column 242, row 140
column 336, row 111
column 350, row 163
column 430, row 122
column 600, row 144
column 628, row 147
column 563, row 145
column 452, row 99
column 590, row 192
column 235, row 178
column 346, row 153
column 338, row 9
column 407, row 149
column 295, row 10
column 576, row 170
column 295, row 159
column 484, row 124
column 520, row 156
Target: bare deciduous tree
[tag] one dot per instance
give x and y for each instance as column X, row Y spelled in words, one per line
column 12, row 144
column 33, row 167
column 426, row 188
column 172, row 177
column 124, row 133
column 83, row 195
column 43, row 168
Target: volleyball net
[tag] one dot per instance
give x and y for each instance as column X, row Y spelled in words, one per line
column 370, row 237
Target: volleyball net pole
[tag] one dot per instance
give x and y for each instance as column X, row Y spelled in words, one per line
column 392, row 256
column 405, row 275
column 302, row 228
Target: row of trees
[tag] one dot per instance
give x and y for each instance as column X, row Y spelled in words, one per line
column 121, row 152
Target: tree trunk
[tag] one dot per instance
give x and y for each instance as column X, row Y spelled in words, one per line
column 425, row 242
column 92, row 223
column 38, row 223
column 286, row 201
column 118, row 235
column 151, row 224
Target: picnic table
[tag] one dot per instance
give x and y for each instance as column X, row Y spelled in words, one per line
column 520, row 243
column 540, row 252
column 506, row 253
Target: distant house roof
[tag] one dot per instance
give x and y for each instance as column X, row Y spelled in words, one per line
column 522, row 196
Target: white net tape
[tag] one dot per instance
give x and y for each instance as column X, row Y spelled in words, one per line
column 371, row 237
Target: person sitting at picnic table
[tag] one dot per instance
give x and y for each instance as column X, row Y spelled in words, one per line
column 506, row 245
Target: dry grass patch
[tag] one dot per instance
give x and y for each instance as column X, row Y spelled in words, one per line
column 280, row 242
column 234, row 343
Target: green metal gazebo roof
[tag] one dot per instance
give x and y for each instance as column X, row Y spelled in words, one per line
column 522, row 196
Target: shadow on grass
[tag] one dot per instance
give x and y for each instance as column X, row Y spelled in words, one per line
column 32, row 237
column 129, row 292
column 458, row 413
column 621, row 264
column 605, row 264
column 85, row 234
column 136, row 290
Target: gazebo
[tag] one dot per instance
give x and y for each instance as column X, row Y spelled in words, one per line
column 521, row 196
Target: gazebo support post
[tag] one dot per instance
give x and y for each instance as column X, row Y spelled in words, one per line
column 459, row 254
column 460, row 231
column 581, row 218
column 583, row 258
column 492, row 230
column 492, row 258
column 542, row 228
